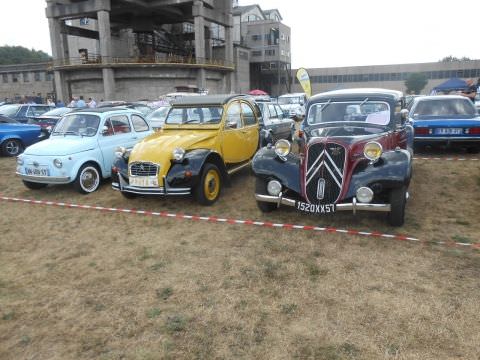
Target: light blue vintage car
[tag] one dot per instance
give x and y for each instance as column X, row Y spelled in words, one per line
column 81, row 148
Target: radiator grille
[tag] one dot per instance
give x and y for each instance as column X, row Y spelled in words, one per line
column 324, row 172
column 143, row 169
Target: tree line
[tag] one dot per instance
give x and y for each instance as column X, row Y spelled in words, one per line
column 20, row 55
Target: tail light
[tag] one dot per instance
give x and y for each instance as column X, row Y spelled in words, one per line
column 473, row 131
column 422, row 131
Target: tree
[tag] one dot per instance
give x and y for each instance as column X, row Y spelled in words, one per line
column 20, row 55
column 416, row 82
column 451, row 58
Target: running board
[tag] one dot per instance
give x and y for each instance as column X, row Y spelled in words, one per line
column 238, row 168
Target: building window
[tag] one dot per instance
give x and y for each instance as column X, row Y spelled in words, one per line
column 270, row 52
column 48, row 76
column 256, row 37
column 5, row 78
column 26, row 77
column 37, row 76
column 256, row 53
column 14, row 77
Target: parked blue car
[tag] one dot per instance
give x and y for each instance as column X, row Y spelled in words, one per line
column 450, row 120
column 15, row 137
column 23, row 112
column 81, row 148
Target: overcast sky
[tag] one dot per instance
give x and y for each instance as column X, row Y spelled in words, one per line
column 324, row 33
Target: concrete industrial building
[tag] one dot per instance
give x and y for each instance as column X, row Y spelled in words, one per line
column 388, row 76
column 133, row 49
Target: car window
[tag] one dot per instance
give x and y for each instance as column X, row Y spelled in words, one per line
column 233, row 119
column 108, row 128
column 372, row 112
column 273, row 112
column 37, row 110
column 194, row 115
column 120, row 124
column 443, row 107
column 279, row 111
column 10, row 110
column 248, row 116
column 139, row 124
column 77, row 124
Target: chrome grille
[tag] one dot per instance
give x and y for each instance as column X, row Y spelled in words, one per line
column 143, row 169
column 324, row 172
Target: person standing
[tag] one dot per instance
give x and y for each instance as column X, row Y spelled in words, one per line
column 471, row 91
column 92, row 103
column 81, row 103
column 72, row 103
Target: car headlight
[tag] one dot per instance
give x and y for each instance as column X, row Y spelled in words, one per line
column 19, row 161
column 274, row 187
column 120, row 151
column 364, row 194
column 58, row 163
column 372, row 151
column 282, row 148
column 178, row 154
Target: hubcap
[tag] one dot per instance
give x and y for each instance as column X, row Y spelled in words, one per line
column 89, row 179
column 212, row 185
column 12, row 147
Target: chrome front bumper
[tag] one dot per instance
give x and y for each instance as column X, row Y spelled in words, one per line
column 354, row 206
column 161, row 190
column 45, row 179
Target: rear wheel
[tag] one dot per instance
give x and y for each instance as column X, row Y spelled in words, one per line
column 34, row 185
column 88, row 179
column 261, row 189
column 208, row 189
column 398, row 199
column 12, row 147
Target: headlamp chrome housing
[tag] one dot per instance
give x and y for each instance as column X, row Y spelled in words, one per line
column 58, row 163
column 372, row 151
column 178, row 154
column 282, row 148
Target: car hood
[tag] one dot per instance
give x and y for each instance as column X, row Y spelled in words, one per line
column 62, row 145
column 158, row 146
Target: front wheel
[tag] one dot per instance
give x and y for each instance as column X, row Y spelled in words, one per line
column 12, row 147
column 88, row 179
column 398, row 199
column 261, row 189
column 208, row 189
column 33, row 185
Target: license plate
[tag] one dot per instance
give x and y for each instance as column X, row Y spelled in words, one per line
column 143, row 181
column 449, row 131
column 318, row 209
column 37, row 171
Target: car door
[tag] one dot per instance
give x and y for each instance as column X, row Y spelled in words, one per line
column 235, row 142
column 251, row 129
column 115, row 131
column 285, row 124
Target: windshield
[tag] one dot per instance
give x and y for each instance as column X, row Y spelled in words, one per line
column 368, row 112
column 9, row 110
column 77, row 124
column 159, row 114
column 194, row 115
column 438, row 108
column 290, row 100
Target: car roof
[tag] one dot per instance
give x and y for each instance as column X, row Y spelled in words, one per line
column 293, row 94
column 344, row 93
column 208, row 99
column 103, row 110
column 440, row 97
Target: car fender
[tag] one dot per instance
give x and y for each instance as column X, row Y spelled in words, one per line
column 266, row 164
column 193, row 162
column 392, row 170
column 85, row 158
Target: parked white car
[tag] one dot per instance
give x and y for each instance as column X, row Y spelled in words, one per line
column 294, row 104
column 81, row 148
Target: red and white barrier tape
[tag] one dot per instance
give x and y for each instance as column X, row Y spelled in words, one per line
column 445, row 158
column 235, row 221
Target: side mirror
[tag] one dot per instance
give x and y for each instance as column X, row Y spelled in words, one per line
column 403, row 117
column 105, row 130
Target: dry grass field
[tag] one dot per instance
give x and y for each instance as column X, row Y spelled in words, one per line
column 83, row 284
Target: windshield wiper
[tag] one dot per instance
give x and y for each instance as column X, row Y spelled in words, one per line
column 70, row 132
column 363, row 102
column 326, row 104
